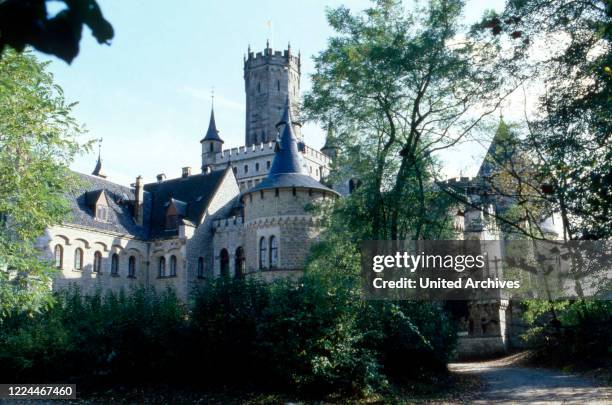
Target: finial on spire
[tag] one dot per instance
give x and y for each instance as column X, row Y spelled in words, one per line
column 267, row 43
column 212, row 134
column 212, row 97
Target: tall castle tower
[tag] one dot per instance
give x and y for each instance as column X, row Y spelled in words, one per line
column 269, row 78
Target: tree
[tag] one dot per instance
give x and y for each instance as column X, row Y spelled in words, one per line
column 27, row 22
column 38, row 139
column 400, row 86
column 569, row 134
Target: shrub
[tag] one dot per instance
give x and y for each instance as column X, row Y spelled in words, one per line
column 570, row 332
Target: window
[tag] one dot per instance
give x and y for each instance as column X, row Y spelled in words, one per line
column 351, row 185
column 273, row 252
column 172, row 266
column 162, row 267
column 235, row 169
column 246, row 168
column 78, row 259
column 256, row 167
column 58, row 256
column 132, row 267
column 278, row 85
column 224, row 258
column 268, row 164
column 275, row 192
column 211, row 147
column 263, row 249
column 259, row 87
column 239, row 263
column 201, row 267
column 171, row 221
column 293, row 191
column 97, row 265
column 261, row 193
column 101, row 212
column 115, row 264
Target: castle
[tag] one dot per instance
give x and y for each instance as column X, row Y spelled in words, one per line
column 244, row 213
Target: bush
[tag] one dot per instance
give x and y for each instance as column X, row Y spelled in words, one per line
column 110, row 337
column 314, row 336
column 570, row 332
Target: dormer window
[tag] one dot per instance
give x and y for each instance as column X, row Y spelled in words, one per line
column 101, row 213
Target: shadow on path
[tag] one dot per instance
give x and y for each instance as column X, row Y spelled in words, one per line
column 506, row 381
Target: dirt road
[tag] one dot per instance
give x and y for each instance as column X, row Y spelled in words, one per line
column 507, row 381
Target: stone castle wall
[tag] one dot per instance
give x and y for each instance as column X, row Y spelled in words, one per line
column 269, row 78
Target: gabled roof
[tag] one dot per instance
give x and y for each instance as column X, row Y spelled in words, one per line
column 89, row 189
column 212, row 134
column 191, row 196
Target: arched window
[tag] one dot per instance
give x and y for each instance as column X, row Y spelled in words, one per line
column 132, row 267
column 115, row 264
column 224, row 259
column 256, row 167
column 97, row 265
column 239, row 262
column 235, row 170
column 172, row 266
column 278, row 85
column 351, row 185
column 58, row 256
column 78, row 259
column 162, row 267
column 246, row 168
column 211, row 147
column 201, row 267
column 268, row 164
column 273, row 252
column 263, row 250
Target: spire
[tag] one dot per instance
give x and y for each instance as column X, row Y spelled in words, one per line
column 98, row 169
column 287, row 116
column 330, row 138
column 212, row 134
column 287, row 158
column 287, row 170
column 502, row 150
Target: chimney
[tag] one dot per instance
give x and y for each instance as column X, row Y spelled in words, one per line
column 186, row 171
column 138, row 203
column 161, row 177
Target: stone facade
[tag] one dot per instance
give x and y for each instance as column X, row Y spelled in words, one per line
column 270, row 78
column 179, row 232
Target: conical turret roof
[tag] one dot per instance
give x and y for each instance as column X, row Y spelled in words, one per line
column 287, row 169
column 212, row 134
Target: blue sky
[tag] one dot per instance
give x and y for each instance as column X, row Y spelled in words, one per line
column 148, row 93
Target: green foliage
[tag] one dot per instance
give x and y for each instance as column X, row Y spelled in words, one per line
column 570, row 332
column 38, row 140
column 397, row 93
column 569, row 131
column 28, row 23
column 118, row 337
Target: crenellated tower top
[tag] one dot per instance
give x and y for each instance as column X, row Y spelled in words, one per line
column 269, row 78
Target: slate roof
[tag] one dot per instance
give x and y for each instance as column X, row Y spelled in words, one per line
column 212, row 134
column 287, row 169
column 120, row 202
column 193, row 194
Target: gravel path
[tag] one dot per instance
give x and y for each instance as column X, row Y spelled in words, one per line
column 506, row 381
